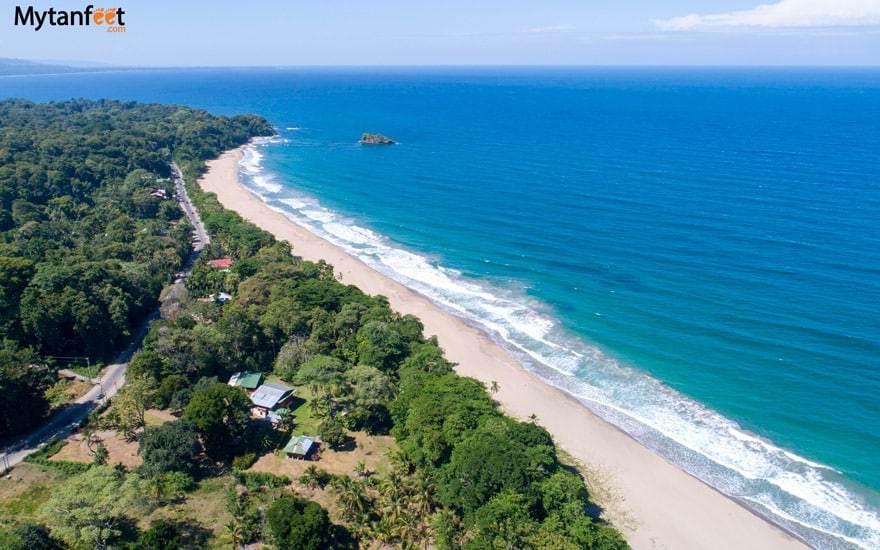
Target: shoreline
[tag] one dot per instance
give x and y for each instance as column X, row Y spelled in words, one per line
column 652, row 502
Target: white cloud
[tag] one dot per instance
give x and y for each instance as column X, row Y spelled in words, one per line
column 786, row 13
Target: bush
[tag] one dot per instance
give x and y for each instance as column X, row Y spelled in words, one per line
column 333, row 433
column 48, row 450
column 64, row 466
column 162, row 535
column 245, row 461
column 257, row 480
column 41, row 458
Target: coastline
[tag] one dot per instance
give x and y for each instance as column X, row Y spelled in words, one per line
column 655, row 504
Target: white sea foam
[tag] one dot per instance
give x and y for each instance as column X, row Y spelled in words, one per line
column 296, row 204
column 251, row 161
column 267, row 184
column 804, row 496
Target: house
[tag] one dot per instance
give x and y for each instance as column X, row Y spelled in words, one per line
column 270, row 397
column 301, row 447
column 220, row 298
column 248, row 380
column 220, row 263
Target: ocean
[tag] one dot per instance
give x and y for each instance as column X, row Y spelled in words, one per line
column 693, row 253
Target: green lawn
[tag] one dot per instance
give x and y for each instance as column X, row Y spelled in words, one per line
column 306, row 424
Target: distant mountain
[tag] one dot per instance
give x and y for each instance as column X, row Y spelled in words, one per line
column 10, row 66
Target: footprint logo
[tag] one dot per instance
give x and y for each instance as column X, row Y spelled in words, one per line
column 99, row 16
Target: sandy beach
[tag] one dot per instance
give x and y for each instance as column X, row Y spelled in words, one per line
column 654, row 503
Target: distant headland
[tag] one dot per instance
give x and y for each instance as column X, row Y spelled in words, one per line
column 375, row 139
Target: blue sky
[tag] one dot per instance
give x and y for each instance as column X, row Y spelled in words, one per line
column 455, row 32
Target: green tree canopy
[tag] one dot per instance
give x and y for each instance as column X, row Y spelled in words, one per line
column 221, row 414
column 170, row 447
column 23, row 380
column 89, row 508
column 298, row 524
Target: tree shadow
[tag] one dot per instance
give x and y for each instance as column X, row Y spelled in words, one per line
column 350, row 444
column 343, row 538
column 295, row 403
column 592, row 509
column 193, row 534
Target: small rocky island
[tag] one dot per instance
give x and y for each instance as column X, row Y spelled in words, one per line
column 375, row 139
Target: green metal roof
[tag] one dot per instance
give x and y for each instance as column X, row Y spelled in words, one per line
column 300, row 445
column 247, row 379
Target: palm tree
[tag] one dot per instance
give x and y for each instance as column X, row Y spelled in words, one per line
column 422, row 490
column 393, row 506
column 351, row 495
column 381, row 531
column 409, row 530
column 234, row 533
column 319, row 408
column 284, row 424
column 360, row 469
column 401, row 461
column 285, row 420
column 310, row 477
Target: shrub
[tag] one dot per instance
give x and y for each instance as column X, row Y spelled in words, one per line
column 245, row 461
column 256, row 480
column 333, row 433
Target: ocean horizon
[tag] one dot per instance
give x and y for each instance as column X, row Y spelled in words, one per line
column 691, row 253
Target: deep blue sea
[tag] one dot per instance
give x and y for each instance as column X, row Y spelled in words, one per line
column 694, row 253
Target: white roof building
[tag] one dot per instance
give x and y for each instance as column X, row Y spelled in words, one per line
column 271, row 395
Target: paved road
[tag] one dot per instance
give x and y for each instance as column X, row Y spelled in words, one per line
column 114, row 375
column 201, row 236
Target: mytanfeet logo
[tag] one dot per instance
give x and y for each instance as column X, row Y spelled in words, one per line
column 106, row 19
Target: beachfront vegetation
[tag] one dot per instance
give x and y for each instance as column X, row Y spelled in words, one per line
column 458, row 474
column 86, row 243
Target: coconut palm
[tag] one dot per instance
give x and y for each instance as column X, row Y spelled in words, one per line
column 351, row 496
column 401, row 462
column 311, row 478
column 409, row 530
column 382, row 531
column 422, row 494
column 233, row 532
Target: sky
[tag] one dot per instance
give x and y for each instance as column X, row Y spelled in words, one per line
column 455, row 32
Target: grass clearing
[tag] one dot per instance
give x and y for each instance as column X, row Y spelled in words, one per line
column 157, row 417
column 29, row 487
column 120, row 450
column 203, row 511
column 371, row 450
column 305, row 422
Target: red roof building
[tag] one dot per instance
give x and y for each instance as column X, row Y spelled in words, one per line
column 221, row 263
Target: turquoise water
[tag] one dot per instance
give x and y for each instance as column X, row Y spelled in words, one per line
column 695, row 254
